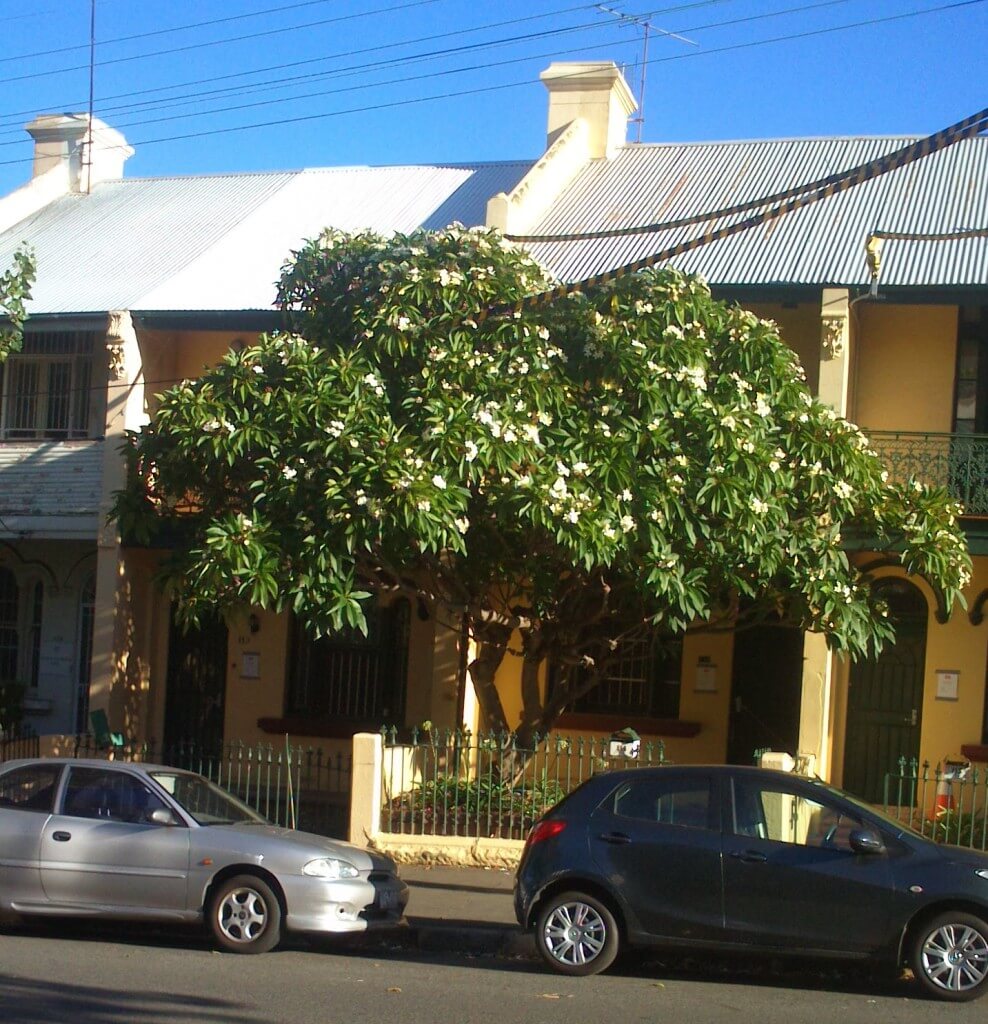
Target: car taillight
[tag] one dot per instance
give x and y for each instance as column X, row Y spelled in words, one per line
column 545, row 830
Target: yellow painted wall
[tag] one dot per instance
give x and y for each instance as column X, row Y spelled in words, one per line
column 708, row 709
column 903, row 375
column 799, row 326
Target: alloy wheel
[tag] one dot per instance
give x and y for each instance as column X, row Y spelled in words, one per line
column 574, row 933
column 242, row 915
column 954, row 957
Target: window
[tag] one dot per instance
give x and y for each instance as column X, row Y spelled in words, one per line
column 45, row 388
column 20, row 629
column 666, row 801
column 351, row 676
column 9, row 626
column 643, row 681
column 115, row 796
column 784, row 816
column 31, row 788
column 87, row 611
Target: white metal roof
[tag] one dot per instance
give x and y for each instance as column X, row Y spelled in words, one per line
column 217, row 242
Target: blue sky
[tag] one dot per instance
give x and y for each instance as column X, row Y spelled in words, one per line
column 406, row 81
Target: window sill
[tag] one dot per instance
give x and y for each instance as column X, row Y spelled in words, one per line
column 613, row 723
column 323, row 728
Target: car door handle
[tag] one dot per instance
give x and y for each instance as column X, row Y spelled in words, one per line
column 61, row 837
column 749, row 856
column 616, row 838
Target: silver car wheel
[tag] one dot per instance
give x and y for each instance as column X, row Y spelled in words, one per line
column 955, row 957
column 242, row 915
column 574, row 934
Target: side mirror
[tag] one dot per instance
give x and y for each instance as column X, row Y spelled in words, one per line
column 164, row 816
column 864, row 840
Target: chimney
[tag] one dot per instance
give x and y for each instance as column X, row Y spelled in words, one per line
column 65, row 141
column 597, row 93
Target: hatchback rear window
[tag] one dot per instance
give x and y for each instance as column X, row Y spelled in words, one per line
column 667, row 801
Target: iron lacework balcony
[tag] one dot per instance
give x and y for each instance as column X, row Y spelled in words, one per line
column 956, row 462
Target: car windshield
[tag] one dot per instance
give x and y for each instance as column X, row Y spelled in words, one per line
column 205, row 801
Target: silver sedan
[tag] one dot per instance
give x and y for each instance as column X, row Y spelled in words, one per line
column 111, row 840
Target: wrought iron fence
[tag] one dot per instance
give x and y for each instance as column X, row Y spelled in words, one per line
column 947, row 803
column 293, row 786
column 22, row 743
column 956, row 462
column 458, row 784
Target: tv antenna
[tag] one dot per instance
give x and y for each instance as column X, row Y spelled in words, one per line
column 643, row 22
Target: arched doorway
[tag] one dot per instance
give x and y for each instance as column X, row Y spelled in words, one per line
column 885, row 696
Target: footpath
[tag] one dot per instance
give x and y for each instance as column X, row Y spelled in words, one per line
column 463, row 910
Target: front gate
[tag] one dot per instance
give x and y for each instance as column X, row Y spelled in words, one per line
column 885, row 700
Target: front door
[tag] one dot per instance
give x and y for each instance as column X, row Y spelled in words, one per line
column 885, row 700
column 766, row 692
column 196, row 685
column 791, row 879
column 103, row 850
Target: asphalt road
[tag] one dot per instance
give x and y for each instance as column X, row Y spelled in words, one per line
column 103, row 975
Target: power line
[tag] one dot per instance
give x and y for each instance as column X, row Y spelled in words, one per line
column 418, row 58
column 166, row 102
column 514, row 85
column 163, row 31
column 519, row 84
column 292, row 64
column 223, row 42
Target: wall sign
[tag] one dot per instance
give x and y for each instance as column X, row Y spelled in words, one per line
column 947, row 684
column 250, row 665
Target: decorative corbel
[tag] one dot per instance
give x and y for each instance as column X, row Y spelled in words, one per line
column 833, row 334
column 117, row 327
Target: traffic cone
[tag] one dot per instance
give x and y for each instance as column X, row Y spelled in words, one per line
column 943, row 802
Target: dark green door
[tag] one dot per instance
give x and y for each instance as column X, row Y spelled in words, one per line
column 196, row 694
column 765, row 692
column 885, row 699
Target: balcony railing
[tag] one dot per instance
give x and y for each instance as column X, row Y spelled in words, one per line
column 956, row 462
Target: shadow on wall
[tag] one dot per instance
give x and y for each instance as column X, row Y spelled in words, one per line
column 128, row 710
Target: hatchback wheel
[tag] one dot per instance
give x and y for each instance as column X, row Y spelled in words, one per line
column 577, row 934
column 245, row 915
column 949, row 956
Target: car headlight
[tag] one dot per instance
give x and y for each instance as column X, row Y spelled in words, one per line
column 330, row 868
column 983, row 872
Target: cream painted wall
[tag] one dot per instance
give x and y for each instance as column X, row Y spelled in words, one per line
column 799, row 326
column 903, row 378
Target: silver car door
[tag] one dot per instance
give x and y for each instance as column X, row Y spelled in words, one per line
column 103, row 850
column 27, row 795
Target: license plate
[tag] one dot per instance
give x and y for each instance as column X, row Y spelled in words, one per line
column 387, row 899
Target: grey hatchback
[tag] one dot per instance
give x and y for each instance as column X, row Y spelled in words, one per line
column 111, row 840
column 754, row 860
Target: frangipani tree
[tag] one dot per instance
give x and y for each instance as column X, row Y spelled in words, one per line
column 15, row 291
column 560, row 477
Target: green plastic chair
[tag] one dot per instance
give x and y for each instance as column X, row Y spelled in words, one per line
column 101, row 730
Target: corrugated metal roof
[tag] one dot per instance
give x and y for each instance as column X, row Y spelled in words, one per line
column 817, row 245
column 51, row 488
column 217, row 242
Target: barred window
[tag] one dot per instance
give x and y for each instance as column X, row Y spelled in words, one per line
column 350, row 676
column 643, row 681
column 21, row 615
column 45, row 388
